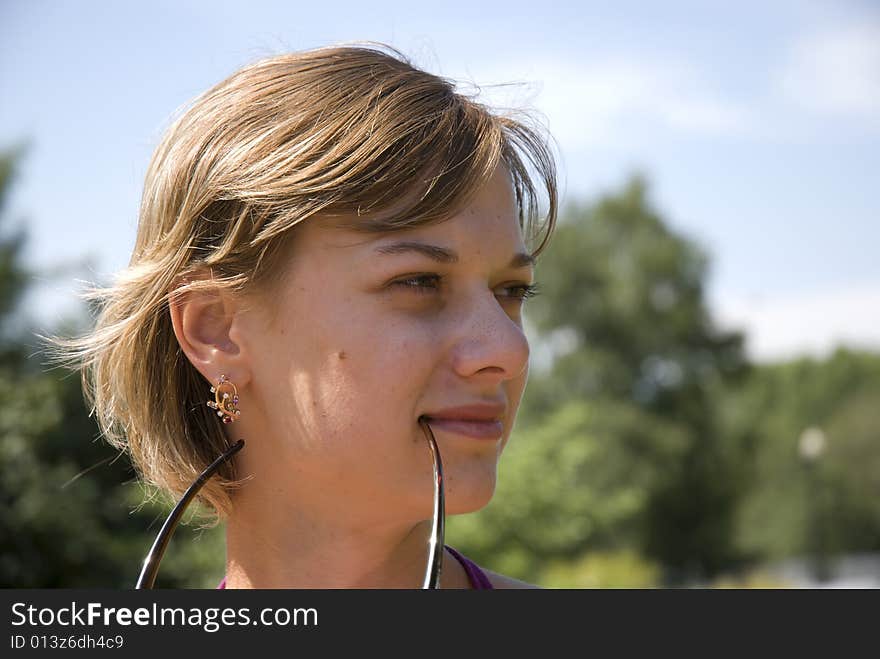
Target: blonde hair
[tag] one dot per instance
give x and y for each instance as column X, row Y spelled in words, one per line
column 347, row 131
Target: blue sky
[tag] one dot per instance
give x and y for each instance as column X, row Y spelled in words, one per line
column 757, row 123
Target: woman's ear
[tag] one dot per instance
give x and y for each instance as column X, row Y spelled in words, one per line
column 204, row 321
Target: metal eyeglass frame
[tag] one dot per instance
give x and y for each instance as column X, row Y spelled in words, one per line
column 434, row 565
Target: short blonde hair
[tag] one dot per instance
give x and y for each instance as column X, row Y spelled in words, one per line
column 345, row 131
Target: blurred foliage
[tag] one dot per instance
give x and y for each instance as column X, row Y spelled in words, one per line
column 615, row 569
column 648, row 453
column 71, row 512
column 752, row 579
column 565, row 489
column 829, row 504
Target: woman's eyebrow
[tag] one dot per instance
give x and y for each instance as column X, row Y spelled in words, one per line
column 444, row 255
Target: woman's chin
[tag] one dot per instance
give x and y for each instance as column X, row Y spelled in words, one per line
column 469, row 491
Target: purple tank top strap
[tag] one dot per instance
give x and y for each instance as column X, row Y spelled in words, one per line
column 478, row 578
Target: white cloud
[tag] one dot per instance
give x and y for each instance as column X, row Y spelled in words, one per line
column 600, row 103
column 811, row 323
column 835, row 72
column 615, row 100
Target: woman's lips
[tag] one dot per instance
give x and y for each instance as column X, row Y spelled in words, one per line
column 469, row 428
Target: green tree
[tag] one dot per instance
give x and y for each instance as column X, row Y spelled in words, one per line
column 70, row 513
column 827, row 500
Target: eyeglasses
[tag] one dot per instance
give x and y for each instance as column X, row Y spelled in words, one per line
column 436, row 542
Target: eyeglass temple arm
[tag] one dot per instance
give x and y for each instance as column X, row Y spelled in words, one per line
column 151, row 562
column 438, row 528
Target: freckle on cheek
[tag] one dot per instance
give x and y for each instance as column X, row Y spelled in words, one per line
column 342, row 355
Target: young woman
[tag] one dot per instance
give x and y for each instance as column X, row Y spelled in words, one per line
column 334, row 250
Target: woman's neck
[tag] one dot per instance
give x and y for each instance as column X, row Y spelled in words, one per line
column 266, row 548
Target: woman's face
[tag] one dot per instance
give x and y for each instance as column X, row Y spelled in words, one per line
column 369, row 333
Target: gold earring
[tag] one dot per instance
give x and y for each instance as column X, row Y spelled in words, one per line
column 225, row 400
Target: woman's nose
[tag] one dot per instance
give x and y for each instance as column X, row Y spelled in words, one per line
column 490, row 341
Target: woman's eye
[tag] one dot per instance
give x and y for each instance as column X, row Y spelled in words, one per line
column 430, row 283
column 422, row 284
column 522, row 292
